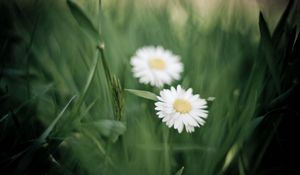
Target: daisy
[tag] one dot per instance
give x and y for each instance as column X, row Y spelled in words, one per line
column 180, row 108
column 156, row 66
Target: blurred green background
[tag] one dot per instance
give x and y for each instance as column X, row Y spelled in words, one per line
column 63, row 105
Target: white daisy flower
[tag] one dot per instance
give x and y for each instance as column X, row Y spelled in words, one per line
column 180, row 108
column 156, row 66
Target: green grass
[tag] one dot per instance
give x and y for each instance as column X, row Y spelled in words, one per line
column 107, row 130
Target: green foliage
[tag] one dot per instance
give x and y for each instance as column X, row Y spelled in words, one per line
column 58, row 50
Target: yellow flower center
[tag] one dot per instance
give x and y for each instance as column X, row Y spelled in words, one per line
column 157, row 63
column 182, row 106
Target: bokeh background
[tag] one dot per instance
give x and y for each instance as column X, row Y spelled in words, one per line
column 65, row 67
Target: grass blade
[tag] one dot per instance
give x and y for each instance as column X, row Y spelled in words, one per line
column 180, row 171
column 143, row 94
column 282, row 23
column 86, row 88
column 268, row 50
column 46, row 133
column 82, row 19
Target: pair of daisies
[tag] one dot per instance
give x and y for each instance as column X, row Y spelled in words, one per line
column 177, row 107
